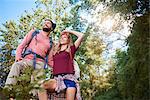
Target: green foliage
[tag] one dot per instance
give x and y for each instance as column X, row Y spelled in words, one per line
column 132, row 66
column 90, row 60
column 110, row 94
column 9, row 34
column 139, row 56
column 26, row 86
column 131, row 70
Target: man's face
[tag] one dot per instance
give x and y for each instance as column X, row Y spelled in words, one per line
column 47, row 24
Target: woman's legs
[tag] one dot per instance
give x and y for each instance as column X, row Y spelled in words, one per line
column 43, row 95
column 71, row 89
column 49, row 85
column 70, row 93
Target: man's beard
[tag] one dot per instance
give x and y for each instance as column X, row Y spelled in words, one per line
column 47, row 29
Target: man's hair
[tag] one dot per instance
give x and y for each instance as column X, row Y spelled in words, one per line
column 53, row 24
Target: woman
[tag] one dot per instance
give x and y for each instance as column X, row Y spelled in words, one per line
column 63, row 69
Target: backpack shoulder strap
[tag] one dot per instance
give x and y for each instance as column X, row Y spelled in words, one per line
column 51, row 44
column 33, row 34
column 46, row 58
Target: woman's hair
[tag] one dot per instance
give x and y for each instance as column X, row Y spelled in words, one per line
column 57, row 47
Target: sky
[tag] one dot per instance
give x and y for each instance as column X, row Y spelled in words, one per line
column 13, row 9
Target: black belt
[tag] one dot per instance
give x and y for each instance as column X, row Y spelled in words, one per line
column 62, row 74
column 27, row 52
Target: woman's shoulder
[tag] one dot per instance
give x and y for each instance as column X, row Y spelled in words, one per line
column 73, row 48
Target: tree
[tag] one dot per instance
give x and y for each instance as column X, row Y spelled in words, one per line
column 9, row 34
column 133, row 65
column 131, row 71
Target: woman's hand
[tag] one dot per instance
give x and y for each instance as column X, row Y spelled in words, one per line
column 78, row 34
column 66, row 31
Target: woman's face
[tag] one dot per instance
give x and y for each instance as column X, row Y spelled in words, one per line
column 64, row 38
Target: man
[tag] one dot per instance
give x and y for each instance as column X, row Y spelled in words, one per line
column 39, row 47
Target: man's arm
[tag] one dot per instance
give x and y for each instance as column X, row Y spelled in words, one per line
column 23, row 44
